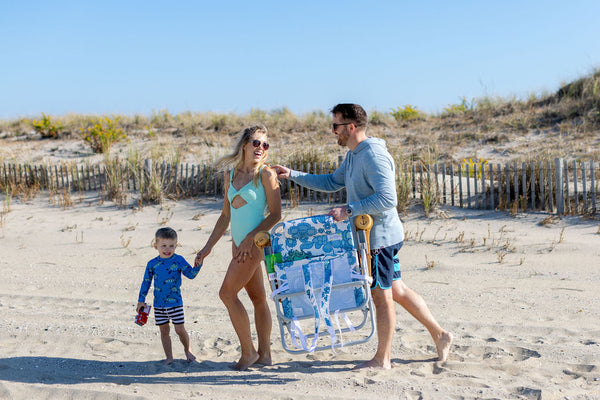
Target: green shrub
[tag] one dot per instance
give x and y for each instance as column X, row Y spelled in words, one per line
column 406, row 113
column 457, row 109
column 47, row 128
column 377, row 118
column 469, row 165
column 103, row 134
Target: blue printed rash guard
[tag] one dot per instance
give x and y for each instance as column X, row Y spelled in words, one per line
column 166, row 273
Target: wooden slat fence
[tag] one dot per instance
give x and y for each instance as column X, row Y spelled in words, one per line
column 562, row 187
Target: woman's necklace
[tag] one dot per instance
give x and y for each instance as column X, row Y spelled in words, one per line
column 247, row 173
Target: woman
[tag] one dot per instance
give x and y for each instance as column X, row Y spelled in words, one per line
column 251, row 188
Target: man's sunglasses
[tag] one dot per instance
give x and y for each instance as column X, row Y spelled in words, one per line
column 335, row 126
column 257, row 143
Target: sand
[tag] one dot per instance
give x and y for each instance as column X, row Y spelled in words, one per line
column 520, row 297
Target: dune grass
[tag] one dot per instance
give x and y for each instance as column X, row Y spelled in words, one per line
column 561, row 124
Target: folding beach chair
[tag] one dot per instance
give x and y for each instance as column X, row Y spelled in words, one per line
column 317, row 274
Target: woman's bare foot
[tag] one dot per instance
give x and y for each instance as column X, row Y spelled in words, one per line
column 190, row 357
column 168, row 361
column 245, row 362
column 264, row 360
column 374, row 364
column 443, row 344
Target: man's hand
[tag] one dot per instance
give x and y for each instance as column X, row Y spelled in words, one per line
column 282, row 172
column 338, row 213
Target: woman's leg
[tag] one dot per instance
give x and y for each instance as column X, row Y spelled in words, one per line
column 262, row 315
column 238, row 275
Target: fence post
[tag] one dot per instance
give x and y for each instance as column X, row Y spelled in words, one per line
column 483, row 188
column 437, row 186
column 532, row 173
column 575, row 183
column 584, row 192
column 491, row 169
column 524, row 186
column 147, row 177
column 566, row 175
column 452, row 184
column 459, row 173
column 468, row 173
column 516, row 185
column 444, row 182
column 542, row 187
column 593, row 187
column 551, row 198
column 414, row 183
column 560, row 195
column 507, row 174
column 476, row 199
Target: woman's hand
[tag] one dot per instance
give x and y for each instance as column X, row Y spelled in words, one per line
column 200, row 256
column 244, row 250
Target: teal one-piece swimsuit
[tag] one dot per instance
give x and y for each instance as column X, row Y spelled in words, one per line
column 247, row 217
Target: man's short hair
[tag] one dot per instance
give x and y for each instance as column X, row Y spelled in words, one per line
column 352, row 112
column 166, row 233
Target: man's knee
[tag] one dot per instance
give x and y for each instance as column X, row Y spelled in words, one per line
column 382, row 297
column 399, row 289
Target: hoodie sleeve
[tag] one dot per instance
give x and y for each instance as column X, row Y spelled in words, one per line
column 322, row 182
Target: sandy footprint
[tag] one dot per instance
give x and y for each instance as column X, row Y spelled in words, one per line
column 103, row 347
column 216, row 347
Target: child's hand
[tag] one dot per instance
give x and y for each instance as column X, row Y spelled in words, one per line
column 140, row 305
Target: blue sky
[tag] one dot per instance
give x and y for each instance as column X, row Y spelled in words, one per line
column 136, row 57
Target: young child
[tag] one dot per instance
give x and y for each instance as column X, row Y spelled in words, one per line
column 166, row 270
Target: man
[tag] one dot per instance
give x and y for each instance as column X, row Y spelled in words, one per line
column 368, row 175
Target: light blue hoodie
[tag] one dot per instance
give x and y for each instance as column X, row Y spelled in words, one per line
column 368, row 173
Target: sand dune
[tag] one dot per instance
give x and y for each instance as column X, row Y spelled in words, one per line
column 521, row 299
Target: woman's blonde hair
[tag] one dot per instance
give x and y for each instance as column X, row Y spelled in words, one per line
column 237, row 157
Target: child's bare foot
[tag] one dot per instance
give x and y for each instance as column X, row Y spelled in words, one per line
column 374, row 364
column 190, row 357
column 443, row 344
column 168, row 361
column 245, row 362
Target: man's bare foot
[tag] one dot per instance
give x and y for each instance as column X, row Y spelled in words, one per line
column 245, row 362
column 373, row 364
column 443, row 344
column 168, row 361
column 190, row 357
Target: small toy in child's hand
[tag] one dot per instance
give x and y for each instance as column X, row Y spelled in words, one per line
column 142, row 316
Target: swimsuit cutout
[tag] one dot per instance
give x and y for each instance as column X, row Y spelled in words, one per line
column 247, row 217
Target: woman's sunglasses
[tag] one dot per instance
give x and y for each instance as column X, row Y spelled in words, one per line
column 257, row 143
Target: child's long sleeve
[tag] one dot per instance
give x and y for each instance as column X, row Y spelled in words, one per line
column 190, row 272
column 146, row 283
